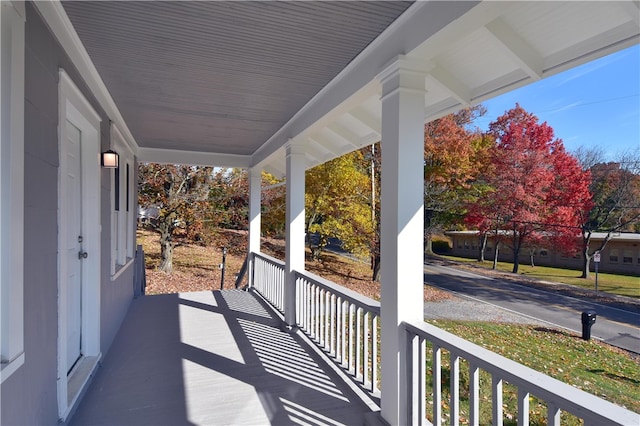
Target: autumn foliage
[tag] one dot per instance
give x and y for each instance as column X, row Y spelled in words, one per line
column 615, row 189
column 537, row 190
column 179, row 193
column 337, row 203
column 455, row 156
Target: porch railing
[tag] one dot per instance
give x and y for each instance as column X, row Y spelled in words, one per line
column 345, row 325
column 269, row 279
column 557, row 395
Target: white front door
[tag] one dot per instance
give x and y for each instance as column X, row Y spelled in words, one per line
column 72, row 137
column 79, row 239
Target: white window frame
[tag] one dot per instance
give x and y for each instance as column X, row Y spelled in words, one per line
column 12, row 51
column 122, row 221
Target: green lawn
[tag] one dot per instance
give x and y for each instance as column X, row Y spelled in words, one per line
column 623, row 285
column 588, row 365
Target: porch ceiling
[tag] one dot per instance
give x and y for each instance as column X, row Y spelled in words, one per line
column 229, row 83
column 221, row 76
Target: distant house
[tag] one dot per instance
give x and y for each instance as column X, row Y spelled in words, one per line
column 620, row 255
column 147, row 214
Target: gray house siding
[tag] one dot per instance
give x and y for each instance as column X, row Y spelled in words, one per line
column 29, row 396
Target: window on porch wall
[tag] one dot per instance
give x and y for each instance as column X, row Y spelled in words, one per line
column 122, row 219
column 12, row 44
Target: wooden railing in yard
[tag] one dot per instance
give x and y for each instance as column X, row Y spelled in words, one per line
column 345, row 325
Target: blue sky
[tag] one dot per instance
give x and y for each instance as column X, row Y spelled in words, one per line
column 596, row 104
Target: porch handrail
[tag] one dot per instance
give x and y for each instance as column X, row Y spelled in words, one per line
column 343, row 323
column 269, row 279
column 556, row 394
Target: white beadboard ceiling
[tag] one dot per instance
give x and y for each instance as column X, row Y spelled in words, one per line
column 229, row 83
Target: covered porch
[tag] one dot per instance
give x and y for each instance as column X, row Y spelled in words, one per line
column 218, row 358
column 281, row 87
column 229, row 357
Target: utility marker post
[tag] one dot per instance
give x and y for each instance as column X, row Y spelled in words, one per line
column 596, row 260
column 223, row 267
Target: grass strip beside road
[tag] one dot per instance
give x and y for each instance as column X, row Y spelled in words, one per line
column 592, row 366
column 622, row 285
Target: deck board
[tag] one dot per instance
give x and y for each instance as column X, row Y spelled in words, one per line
column 213, row 358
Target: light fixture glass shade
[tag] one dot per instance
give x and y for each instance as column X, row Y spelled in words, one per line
column 109, row 159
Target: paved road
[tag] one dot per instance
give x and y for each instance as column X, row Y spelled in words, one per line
column 615, row 326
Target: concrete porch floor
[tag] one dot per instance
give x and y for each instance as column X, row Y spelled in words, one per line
column 214, row 358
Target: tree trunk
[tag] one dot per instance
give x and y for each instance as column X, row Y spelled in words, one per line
column 166, row 250
column 586, row 260
column 428, row 244
column 482, row 245
column 516, row 260
column 532, row 255
column 375, row 265
column 495, row 256
column 517, row 243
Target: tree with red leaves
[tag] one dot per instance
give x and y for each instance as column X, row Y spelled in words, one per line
column 538, row 190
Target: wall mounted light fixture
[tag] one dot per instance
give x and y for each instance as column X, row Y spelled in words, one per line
column 109, row 159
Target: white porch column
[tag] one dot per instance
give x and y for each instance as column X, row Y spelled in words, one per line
column 255, row 209
column 294, row 250
column 401, row 227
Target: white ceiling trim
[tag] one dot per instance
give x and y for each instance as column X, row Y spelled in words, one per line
column 329, row 144
column 194, row 158
column 345, row 134
column 317, row 153
column 56, row 18
column 367, row 120
column 451, row 84
column 518, row 49
column 633, row 10
column 417, row 24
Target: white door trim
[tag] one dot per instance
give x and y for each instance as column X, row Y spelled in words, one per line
column 75, row 108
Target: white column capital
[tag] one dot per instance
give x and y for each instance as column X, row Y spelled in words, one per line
column 294, row 147
column 18, row 6
column 403, row 74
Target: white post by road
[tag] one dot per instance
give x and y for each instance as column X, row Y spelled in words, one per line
column 402, row 227
column 294, row 249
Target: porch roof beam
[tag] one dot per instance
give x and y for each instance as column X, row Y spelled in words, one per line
column 316, row 151
column 345, row 134
column 455, row 87
column 420, row 22
column 193, row 158
column 366, row 119
column 518, row 49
